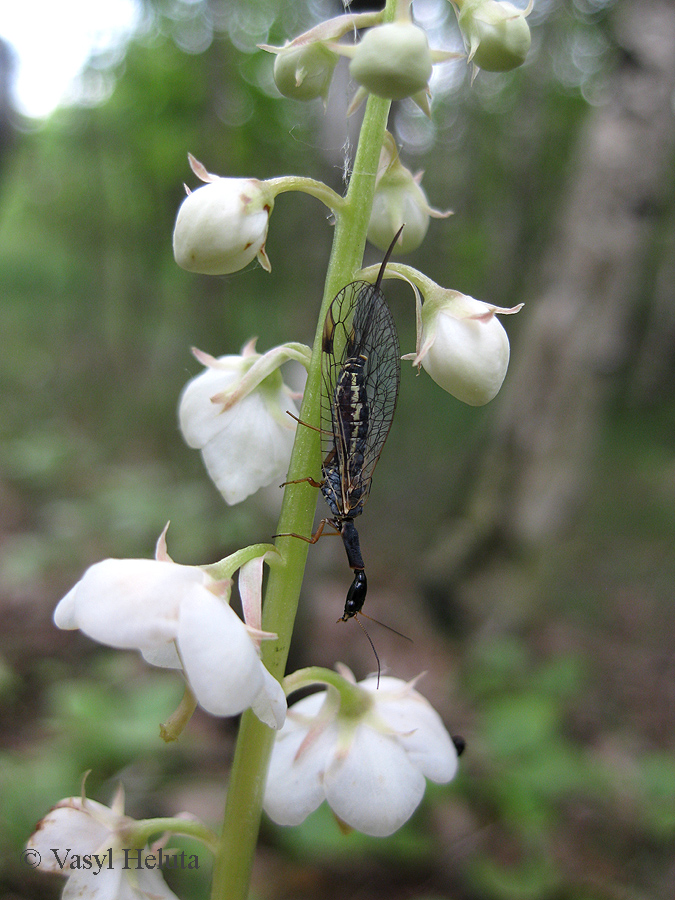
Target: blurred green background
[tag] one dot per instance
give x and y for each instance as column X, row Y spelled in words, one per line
column 526, row 547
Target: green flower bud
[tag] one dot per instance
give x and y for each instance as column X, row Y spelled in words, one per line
column 399, row 200
column 304, row 72
column 496, row 33
column 392, row 61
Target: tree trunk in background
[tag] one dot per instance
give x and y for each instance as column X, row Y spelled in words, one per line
column 576, row 334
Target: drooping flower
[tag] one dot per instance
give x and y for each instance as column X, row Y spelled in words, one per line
column 462, row 345
column 94, row 847
column 236, row 413
column 366, row 751
column 460, row 341
column 179, row 617
column 303, row 68
column 222, row 226
column 399, row 200
column 305, row 72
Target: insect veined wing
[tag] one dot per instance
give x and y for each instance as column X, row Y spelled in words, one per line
column 377, row 341
column 337, row 333
column 361, row 373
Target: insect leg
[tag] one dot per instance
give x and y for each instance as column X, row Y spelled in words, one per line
column 306, row 424
column 316, row 484
column 317, row 534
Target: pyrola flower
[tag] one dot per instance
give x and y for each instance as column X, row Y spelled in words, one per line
column 93, row 846
column 222, row 226
column 495, row 32
column 366, row 751
column 236, row 413
column 179, row 617
column 399, row 201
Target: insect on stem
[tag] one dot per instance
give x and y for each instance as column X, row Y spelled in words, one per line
column 360, row 374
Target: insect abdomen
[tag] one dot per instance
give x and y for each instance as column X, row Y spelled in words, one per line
column 353, row 414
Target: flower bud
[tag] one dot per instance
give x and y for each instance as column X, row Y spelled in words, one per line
column 222, row 226
column 392, row 61
column 495, row 32
column 399, row 200
column 304, row 72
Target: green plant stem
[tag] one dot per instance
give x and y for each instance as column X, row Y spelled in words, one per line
column 234, row 860
column 308, row 186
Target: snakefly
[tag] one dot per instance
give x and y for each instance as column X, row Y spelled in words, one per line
column 360, row 372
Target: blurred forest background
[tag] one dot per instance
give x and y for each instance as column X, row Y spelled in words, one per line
column 526, row 547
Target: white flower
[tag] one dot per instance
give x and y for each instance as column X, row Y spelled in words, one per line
column 86, row 842
column 366, row 751
column 222, row 226
column 235, row 412
column 179, row 617
column 460, row 341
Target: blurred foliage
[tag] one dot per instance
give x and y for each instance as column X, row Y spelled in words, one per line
column 564, row 690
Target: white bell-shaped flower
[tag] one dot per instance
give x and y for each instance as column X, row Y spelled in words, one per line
column 222, row 226
column 463, row 346
column 236, row 413
column 179, row 617
column 92, row 845
column 366, row 751
column 460, row 341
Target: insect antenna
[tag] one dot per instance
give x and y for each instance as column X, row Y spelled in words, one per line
column 388, row 627
column 383, row 265
column 370, row 641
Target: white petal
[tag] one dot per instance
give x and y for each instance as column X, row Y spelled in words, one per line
column 423, row 736
column 130, row 603
column 152, row 886
column 117, row 883
column 219, row 658
column 163, row 655
column 64, row 614
column 199, row 418
column 270, row 703
column 250, row 451
column 375, row 788
column 470, row 356
column 294, row 786
column 68, row 825
column 108, row 884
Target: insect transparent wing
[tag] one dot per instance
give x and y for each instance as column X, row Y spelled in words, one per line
column 359, row 335
column 377, row 340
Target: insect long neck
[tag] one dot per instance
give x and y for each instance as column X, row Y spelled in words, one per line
column 350, row 538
